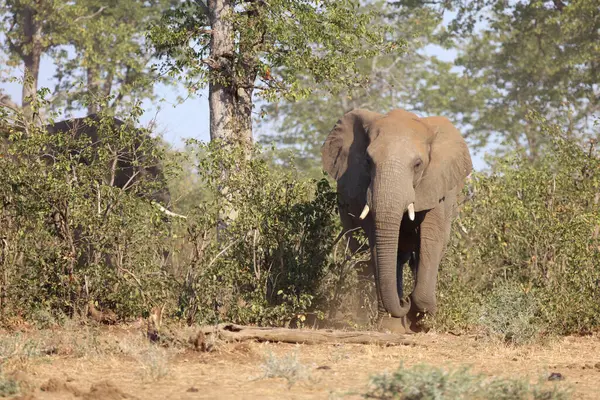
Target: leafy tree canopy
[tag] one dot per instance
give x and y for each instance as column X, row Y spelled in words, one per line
column 281, row 48
column 525, row 55
column 415, row 81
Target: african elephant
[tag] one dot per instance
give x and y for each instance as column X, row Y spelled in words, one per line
column 127, row 170
column 398, row 177
column 126, row 166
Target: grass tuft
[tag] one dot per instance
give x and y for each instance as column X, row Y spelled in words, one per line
column 287, row 367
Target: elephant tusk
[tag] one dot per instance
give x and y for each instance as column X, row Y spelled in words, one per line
column 411, row 211
column 364, row 212
column 169, row 213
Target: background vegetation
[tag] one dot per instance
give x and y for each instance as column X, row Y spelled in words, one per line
column 525, row 248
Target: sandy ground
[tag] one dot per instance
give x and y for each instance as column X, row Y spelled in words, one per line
column 117, row 364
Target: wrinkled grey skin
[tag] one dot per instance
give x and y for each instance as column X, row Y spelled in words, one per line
column 389, row 162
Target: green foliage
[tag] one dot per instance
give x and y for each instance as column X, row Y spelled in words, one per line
column 8, row 386
column 111, row 57
column 53, row 18
column 300, row 126
column 98, row 49
column 528, row 239
column 71, row 236
column 276, row 44
column 518, row 56
column 267, row 264
column 428, row 382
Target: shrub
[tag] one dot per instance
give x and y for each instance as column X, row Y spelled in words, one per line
column 69, row 235
column 260, row 243
column 532, row 228
column 428, row 382
column 256, row 247
column 266, row 262
column 288, row 367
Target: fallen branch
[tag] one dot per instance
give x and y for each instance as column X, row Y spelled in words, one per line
column 239, row 333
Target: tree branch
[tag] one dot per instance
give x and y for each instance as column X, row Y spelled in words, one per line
column 238, row 333
column 89, row 16
column 14, row 48
column 5, row 101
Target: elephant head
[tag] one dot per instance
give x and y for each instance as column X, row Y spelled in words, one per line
column 391, row 169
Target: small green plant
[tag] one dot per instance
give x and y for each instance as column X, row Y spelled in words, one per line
column 8, row 386
column 512, row 315
column 424, row 382
column 287, row 367
column 154, row 363
column 16, row 348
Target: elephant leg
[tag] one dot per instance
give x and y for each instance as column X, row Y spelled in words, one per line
column 434, row 236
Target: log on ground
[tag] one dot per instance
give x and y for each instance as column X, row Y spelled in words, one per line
column 239, row 333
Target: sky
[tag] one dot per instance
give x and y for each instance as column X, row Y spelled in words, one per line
column 190, row 118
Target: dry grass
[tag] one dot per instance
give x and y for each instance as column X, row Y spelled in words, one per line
column 87, row 360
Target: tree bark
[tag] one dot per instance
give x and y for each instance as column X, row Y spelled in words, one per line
column 230, row 96
column 230, row 103
column 221, row 50
column 32, row 31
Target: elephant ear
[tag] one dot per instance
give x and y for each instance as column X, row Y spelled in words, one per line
column 449, row 164
column 344, row 153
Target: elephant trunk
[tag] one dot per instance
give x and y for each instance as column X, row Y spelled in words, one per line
column 391, row 197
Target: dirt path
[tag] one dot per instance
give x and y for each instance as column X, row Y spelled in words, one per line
column 127, row 367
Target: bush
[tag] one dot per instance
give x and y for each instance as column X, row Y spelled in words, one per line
column 70, row 236
column 527, row 240
column 427, row 382
column 267, row 261
column 260, row 243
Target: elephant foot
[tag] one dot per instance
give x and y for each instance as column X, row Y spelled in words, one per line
column 394, row 325
column 416, row 321
column 409, row 324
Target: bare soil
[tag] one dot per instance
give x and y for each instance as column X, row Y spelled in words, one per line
column 118, row 363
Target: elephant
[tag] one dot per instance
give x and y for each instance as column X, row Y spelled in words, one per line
column 123, row 169
column 127, row 172
column 131, row 164
column 399, row 177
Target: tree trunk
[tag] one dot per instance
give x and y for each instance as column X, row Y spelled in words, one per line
column 92, row 90
column 31, row 60
column 220, row 99
column 230, row 96
column 230, row 103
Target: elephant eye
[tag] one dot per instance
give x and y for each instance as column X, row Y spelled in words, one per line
column 418, row 163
